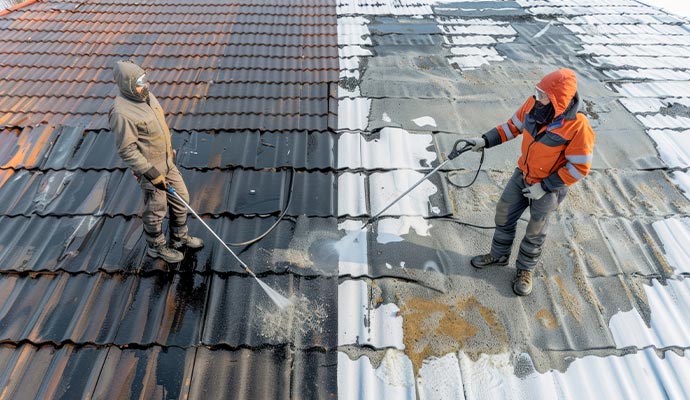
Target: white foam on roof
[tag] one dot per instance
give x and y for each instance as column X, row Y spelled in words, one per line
column 643, row 105
column 649, row 50
column 670, row 320
column 353, row 113
column 469, row 40
column 616, row 19
column 641, row 38
column 353, row 31
column 642, row 62
column 674, row 234
column 394, row 148
column 357, row 379
column 352, row 194
column 384, row 7
column 633, row 28
column 361, row 324
column 488, row 53
column 673, row 147
column 660, row 121
column 655, row 89
column 353, row 51
column 472, row 41
column 493, row 30
column 646, row 376
column 424, row 121
column 388, row 186
column 683, row 181
column 352, row 250
column 391, row 229
column 440, row 379
column 650, row 74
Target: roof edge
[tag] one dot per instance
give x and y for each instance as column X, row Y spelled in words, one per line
column 16, row 7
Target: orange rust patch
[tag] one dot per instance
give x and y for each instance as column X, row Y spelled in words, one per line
column 570, row 302
column 546, row 319
column 432, row 327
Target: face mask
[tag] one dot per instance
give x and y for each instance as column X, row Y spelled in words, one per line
column 542, row 114
column 142, row 83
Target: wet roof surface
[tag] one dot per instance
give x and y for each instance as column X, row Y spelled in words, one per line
column 276, row 107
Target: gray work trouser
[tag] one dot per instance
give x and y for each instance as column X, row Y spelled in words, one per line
column 510, row 207
column 156, row 203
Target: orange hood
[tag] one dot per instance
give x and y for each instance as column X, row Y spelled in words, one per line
column 560, row 86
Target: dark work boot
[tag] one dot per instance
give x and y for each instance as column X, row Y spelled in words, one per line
column 522, row 284
column 487, row 260
column 164, row 252
column 188, row 241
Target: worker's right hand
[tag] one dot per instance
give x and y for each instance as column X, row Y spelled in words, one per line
column 478, row 143
column 157, row 179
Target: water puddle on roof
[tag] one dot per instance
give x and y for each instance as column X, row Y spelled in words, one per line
column 298, row 319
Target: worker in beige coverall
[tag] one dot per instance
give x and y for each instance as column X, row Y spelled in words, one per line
column 143, row 141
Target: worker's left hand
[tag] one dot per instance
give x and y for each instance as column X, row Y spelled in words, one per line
column 534, row 192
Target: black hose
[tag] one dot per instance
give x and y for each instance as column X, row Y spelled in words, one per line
column 280, row 217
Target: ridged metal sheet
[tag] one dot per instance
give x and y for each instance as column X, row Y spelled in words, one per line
column 669, row 325
column 183, row 309
column 216, row 192
column 268, row 373
column 310, row 151
column 67, row 372
column 91, row 244
column 75, row 372
column 71, row 148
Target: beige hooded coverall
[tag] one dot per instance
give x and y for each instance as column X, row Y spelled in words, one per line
column 143, row 141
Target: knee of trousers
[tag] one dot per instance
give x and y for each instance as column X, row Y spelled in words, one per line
column 154, row 212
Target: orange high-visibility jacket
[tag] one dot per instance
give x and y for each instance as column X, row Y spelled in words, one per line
column 559, row 153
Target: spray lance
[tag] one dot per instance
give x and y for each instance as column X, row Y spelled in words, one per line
column 277, row 298
column 457, row 150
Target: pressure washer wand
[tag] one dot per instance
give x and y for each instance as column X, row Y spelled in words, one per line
column 453, row 154
column 277, row 298
column 174, row 193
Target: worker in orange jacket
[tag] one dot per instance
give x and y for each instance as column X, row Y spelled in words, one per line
column 557, row 148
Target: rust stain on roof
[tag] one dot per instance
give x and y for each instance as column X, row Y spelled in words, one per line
column 546, row 319
column 436, row 327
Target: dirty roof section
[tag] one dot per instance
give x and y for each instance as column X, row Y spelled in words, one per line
column 327, row 111
column 249, row 91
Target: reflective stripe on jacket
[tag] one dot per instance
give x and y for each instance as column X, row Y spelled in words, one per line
column 559, row 153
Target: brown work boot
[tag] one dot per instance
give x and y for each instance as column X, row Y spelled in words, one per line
column 164, row 252
column 522, row 284
column 487, row 260
column 186, row 240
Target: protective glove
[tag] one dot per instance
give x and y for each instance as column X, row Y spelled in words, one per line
column 478, row 143
column 157, row 179
column 534, row 192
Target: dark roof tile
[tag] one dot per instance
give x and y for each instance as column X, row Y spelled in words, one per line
column 66, row 372
column 116, row 245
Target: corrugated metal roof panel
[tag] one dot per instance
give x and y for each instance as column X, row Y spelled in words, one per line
column 182, row 310
column 67, row 372
column 237, row 317
column 145, row 373
column 256, row 150
column 668, row 304
column 116, row 245
column 292, row 374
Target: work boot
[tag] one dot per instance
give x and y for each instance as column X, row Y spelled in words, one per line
column 487, row 260
column 522, row 284
column 164, row 252
column 187, row 240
